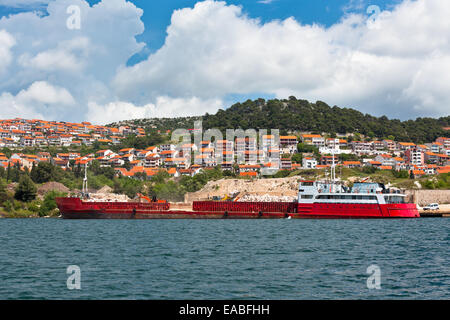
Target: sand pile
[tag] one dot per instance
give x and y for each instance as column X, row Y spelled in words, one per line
column 106, row 194
column 264, row 189
column 52, row 186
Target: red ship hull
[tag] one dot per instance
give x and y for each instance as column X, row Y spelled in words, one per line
column 75, row 208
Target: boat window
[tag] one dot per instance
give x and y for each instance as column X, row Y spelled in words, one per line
column 346, row 197
column 307, row 183
column 307, row 196
column 394, row 199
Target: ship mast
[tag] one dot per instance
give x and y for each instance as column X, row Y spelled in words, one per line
column 85, row 191
column 333, row 173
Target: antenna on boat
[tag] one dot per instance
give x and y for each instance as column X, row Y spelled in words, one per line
column 85, row 191
column 333, row 172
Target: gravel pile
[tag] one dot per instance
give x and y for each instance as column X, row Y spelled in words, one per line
column 52, row 186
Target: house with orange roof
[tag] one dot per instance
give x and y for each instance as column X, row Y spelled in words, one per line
column 403, row 146
column 251, row 156
column 435, row 147
column 167, row 154
column 182, row 163
column 444, row 141
column 431, row 157
column 207, row 151
column 385, row 159
column 400, row 163
column 377, row 145
column 152, row 160
column 376, row 164
column 105, row 153
column 152, row 149
column 242, row 144
column 361, row 147
column 249, row 174
column 288, row 144
column 417, row 173
column 389, row 145
column 286, row 163
column 60, row 162
column 166, row 147
column 415, row 156
column 126, row 151
column 352, row 164
column 223, row 145
column 249, row 168
column 309, row 163
column 443, row 169
column 205, row 161
column 227, row 165
column 27, row 141
column 313, row 139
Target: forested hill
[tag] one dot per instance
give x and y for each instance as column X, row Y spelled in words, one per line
column 300, row 115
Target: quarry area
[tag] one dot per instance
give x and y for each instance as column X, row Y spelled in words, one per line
column 285, row 190
column 263, row 190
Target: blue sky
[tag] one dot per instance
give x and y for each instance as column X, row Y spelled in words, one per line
column 157, row 14
column 149, row 58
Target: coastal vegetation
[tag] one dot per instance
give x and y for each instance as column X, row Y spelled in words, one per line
column 19, row 199
column 295, row 115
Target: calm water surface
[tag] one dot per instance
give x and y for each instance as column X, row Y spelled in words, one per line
column 225, row 259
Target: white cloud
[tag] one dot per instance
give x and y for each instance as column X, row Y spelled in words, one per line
column 22, row 3
column 214, row 49
column 164, row 107
column 399, row 66
column 29, row 103
column 68, row 56
column 6, row 43
column 82, row 61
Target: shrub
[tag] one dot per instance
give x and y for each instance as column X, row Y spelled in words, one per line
column 49, row 203
column 8, row 206
column 26, row 190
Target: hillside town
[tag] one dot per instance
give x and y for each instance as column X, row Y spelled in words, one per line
column 246, row 156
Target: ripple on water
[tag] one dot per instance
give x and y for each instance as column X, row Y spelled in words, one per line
column 306, row 259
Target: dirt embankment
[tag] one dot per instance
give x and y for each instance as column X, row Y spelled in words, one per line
column 281, row 189
column 52, row 186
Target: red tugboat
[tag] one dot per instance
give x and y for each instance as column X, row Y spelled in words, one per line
column 315, row 200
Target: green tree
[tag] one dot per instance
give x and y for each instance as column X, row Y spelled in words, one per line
column 8, row 172
column 26, row 190
column 43, row 172
column 297, row 158
column 3, row 192
column 49, row 203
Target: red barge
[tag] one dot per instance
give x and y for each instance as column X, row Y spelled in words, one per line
column 315, row 200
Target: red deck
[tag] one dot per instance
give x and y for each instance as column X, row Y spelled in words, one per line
column 75, row 208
